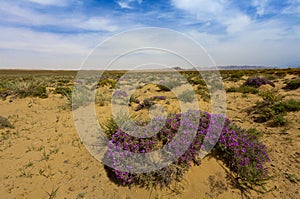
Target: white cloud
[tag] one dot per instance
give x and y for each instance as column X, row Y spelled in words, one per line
column 263, row 43
column 27, row 16
column 204, row 9
column 51, row 2
column 22, row 47
column 97, row 23
column 38, row 42
column 260, row 6
column 293, row 8
column 126, row 3
column 237, row 24
column 220, row 11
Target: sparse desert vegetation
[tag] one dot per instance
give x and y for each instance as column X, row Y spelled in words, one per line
column 256, row 156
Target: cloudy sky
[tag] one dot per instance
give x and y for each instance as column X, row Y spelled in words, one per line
column 59, row 34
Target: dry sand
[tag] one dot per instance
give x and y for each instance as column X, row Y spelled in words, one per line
column 44, row 154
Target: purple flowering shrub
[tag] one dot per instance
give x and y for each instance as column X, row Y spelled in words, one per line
column 119, row 97
column 158, row 97
column 257, row 82
column 244, row 154
column 241, row 150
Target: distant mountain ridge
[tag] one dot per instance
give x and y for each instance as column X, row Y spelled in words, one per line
column 236, row 67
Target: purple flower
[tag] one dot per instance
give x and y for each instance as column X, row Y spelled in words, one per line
column 78, row 81
column 162, row 97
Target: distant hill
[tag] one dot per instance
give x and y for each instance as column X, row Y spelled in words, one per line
column 237, row 67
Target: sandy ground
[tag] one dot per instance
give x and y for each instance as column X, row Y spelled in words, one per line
column 43, row 154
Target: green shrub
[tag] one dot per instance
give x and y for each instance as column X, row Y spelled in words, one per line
column 236, row 76
column 243, row 89
column 4, row 123
column 40, row 92
column 168, row 85
column 110, row 126
column 274, row 108
column 27, row 88
column 134, row 99
column 76, row 97
column 107, row 82
column 203, row 92
column 254, row 132
column 64, row 91
column 248, row 89
column 197, row 81
column 100, row 99
column 293, row 84
column 270, row 96
column 80, row 97
column 279, row 120
column 292, row 105
column 232, row 89
column 187, row 96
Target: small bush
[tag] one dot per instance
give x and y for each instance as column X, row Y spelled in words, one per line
column 27, row 88
column 148, row 102
column 293, row 84
column 243, row 89
column 292, row 105
column 232, row 89
column 257, row 82
column 204, row 94
column 279, row 120
column 62, row 82
column 134, row 99
column 4, row 123
column 76, row 97
column 81, row 96
column 187, row 96
column 64, row 91
column 168, row 85
column 247, row 89
column 270, row 97
column 107, row 82
column 40, row 92
column 236, row 76
column 100, row 99
column 274, row 108
column 197, row 81
column 158, row 97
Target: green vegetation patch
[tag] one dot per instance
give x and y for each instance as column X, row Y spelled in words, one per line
column 4, row 123
column 293, row 84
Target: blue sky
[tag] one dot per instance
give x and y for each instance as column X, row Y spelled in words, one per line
column 59, row 34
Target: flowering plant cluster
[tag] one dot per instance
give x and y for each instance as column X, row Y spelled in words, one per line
column 158, row 97
column 185, row 135
column 258, row 81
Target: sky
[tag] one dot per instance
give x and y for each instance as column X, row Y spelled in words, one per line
column 60, row 34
